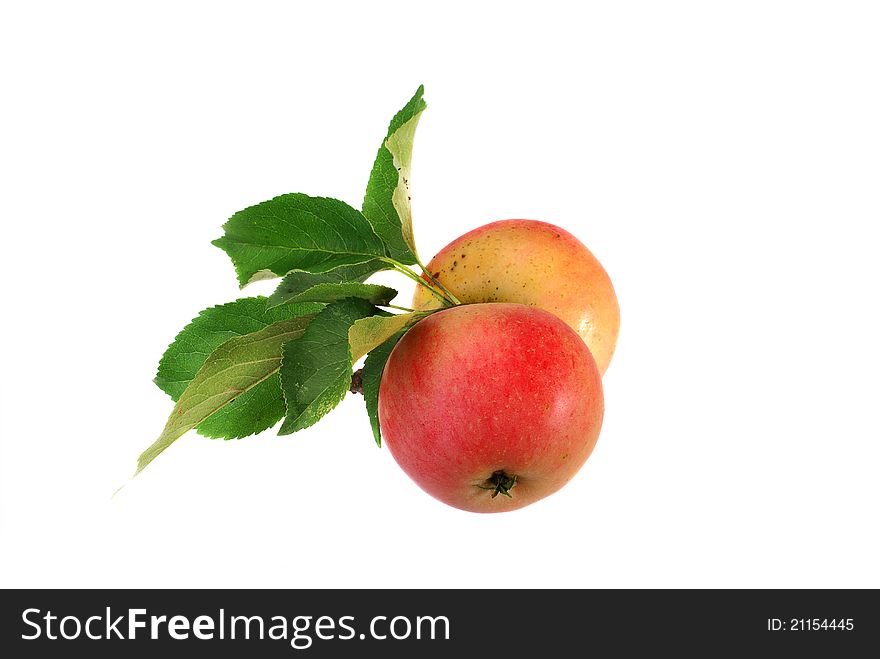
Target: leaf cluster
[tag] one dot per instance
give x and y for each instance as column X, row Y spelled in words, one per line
column 239, row 368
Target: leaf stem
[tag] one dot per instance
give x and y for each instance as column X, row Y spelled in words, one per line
column 394, row 306
column 445, row 290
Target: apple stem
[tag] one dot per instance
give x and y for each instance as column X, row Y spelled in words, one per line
column 500, row 483
column 437, row 283
column 403, row 269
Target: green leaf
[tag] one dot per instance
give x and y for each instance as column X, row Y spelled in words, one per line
column 233, row 369
column 387, row 203
column 299, row 281
column 369, row 333
column 211, row 328
column 330, row 292
column 295, row 231
column 372, row 293
column 372, row 377
column 255, row 410
column 316, row 367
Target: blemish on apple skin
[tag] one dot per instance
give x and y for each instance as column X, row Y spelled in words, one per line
column 564, row 456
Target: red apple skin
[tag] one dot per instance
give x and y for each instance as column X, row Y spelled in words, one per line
column 485, row 388
column 533, row 263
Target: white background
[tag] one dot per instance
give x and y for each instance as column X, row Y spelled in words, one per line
column 721, row 160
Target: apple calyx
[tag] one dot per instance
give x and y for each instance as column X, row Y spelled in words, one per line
column 500, row 483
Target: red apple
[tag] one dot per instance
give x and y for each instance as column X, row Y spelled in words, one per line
column 532, row 263
column 490, row 407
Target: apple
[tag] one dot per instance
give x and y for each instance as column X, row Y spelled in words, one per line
column 536, row 264
column 490, row 407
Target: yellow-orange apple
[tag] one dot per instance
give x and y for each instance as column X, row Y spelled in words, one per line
column 536, row 264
